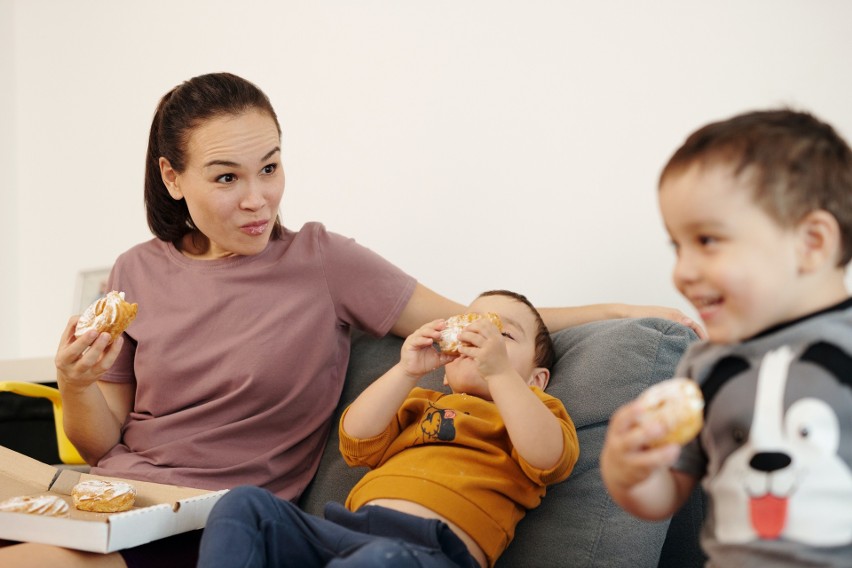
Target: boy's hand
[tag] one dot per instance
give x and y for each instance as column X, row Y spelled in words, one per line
column 627, row 458
column 418, row 356
column 483, row 342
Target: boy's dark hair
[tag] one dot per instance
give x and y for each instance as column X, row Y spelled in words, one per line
column 178, row 114
column 795, row 162
column 545, row 355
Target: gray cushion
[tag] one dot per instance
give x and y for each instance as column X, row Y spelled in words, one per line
column 599, row 367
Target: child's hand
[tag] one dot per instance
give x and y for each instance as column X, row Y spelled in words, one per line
column 418, row 356
column 483, row 342
column 627, row 458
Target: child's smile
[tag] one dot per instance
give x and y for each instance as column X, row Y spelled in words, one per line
column 738, row 266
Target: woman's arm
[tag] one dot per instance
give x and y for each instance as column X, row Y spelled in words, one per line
column 427, row 305
column 424, row 306
column 561, row 318
column 93, row 411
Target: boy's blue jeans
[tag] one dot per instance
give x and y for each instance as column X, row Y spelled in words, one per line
column 251, row 527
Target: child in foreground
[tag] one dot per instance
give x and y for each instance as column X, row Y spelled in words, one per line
column 451, row 474
column 759, row 208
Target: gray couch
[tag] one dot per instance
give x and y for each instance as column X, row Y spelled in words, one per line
column 599, row 367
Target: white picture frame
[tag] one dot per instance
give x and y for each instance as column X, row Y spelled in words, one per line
column 91, row 285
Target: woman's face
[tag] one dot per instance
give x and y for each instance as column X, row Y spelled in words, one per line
column 233, row 183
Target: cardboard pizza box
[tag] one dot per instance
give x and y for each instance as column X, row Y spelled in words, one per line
column 160, row 510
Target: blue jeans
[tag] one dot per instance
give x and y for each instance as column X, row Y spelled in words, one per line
column 250, row 527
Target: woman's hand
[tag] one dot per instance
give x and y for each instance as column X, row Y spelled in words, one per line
column 81, row 361
column 92, row 422
column 418, row 355
column 662, row 312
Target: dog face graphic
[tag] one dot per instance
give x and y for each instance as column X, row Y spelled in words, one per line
column 780, row 463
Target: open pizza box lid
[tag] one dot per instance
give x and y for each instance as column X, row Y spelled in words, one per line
column 160, row 510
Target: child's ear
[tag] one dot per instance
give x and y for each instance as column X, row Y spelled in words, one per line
column 819, row 241
column 539, row 378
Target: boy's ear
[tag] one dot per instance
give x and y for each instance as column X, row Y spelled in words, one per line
column 539, row 378
column 819, row 241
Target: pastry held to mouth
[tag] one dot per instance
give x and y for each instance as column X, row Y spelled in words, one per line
column 450, row 342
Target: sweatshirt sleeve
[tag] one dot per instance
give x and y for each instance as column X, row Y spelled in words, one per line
column 365, row 451
column 570, row 447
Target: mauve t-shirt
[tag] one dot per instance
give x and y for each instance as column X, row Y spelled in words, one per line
column 239, row 362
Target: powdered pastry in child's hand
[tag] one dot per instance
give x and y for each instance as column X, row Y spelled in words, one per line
column 449, row 342
column 48, row 505
column 102, row 496
column 110, row 314
column 679, row 405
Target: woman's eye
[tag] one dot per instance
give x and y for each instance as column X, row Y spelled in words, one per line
column 269, row 169
column 508, row 335
column 226, row 178
column 705, row 240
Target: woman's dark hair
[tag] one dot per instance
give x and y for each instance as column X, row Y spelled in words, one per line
column 179, row 112
column 545, row 355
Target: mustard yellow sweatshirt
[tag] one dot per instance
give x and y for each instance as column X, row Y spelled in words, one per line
column 451, row 453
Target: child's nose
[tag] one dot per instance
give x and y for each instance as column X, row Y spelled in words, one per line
column 685, row 270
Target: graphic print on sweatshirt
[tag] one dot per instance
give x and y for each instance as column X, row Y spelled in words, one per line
column 438, row 424
column 779, row 439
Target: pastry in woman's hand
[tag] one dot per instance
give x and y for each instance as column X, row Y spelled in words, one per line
column 450, row 342
column 110, row 314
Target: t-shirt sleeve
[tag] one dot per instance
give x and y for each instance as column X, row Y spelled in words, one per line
column 368, row 292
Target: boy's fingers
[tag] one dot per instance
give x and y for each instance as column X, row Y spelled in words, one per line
column 472, row 337
column 625, row 418
column 656, row 457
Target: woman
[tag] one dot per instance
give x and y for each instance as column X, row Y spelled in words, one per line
column 233, row 367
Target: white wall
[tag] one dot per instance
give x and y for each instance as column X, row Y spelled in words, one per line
column 476, row 144
column 9, row 243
